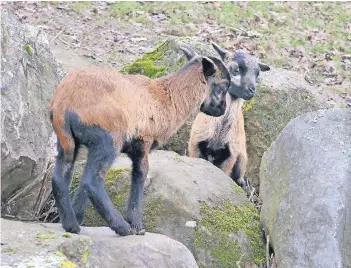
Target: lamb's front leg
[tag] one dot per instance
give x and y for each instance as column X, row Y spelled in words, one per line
column 139, row 157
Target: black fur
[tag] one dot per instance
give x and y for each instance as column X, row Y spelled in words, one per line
column 101, row 154
column 60, row 187
column 154, row 145
column 236, row 171
column 219, row 155
column 135, row 149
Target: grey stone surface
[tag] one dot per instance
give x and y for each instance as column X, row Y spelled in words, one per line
column 305, row 188
column 29, row 74
column 46, row 245
column 195, row 203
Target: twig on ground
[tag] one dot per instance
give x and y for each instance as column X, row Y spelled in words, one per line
column 65, row 42
column 56, row 36
column 252, row 193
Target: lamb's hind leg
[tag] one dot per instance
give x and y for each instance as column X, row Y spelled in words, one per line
column 138, row 152
column 80, row 203
column 238, row 171
column 99, row 161
column 60, row 187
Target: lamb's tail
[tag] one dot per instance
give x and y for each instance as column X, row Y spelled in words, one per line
column 64, row 135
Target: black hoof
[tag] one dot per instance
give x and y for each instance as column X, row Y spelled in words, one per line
column 72, row 228
column 137, row 232
column 122, row 230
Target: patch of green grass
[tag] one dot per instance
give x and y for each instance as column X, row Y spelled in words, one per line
column 142, row 20
column 80, row 5
column 121, row 8
column 320, row 48
column 297, row 42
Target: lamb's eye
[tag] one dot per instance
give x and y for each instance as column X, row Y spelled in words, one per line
column 234, row 69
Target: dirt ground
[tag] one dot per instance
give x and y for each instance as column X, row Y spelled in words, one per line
column 312, row 38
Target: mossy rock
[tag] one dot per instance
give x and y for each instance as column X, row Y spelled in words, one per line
column 180, row 190
column 265, row 117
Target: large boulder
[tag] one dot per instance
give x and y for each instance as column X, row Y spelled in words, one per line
column 47, row 245
column 305, row 188
column 281, row 96
column 29, row 74
column 193, row 202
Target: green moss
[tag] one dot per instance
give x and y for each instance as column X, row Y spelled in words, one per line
column 117, row 185
column 46, row 236
column 147, row 64
column 180, row 63
column 249, row 105
column 11, row 251
column 114, row 174
column 59, row 254
column 67, row 264
column 85, row 256
column 67, row 235
column 28, row 48
column 217, row 225
column 153, row 212
column 177, row 158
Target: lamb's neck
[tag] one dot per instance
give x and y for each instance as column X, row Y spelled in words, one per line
column 234, row 106
column 186, row 91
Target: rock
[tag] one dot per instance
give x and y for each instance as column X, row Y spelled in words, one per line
column 305, row 189
column 47, row 245
column 281, row 96
column 29, row 76
column 193, row 202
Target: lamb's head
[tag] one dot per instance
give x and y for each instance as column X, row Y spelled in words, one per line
column 244, row 70
column 217, row 79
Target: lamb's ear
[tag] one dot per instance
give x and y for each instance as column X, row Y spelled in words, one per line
column 189, row 54
column 264, row 67
column 224, row 71
column 221, row 51
column 208, row 67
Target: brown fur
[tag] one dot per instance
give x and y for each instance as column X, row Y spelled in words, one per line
column 228, row 128
column 132, row 105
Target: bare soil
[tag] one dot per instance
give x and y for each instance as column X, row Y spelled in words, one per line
column 313, row 39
